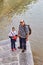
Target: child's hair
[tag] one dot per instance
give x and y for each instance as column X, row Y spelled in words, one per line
column 13, row 27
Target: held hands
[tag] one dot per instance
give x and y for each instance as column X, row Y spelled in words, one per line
column 14, row 37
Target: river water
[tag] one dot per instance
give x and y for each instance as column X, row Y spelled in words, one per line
column 12, row 11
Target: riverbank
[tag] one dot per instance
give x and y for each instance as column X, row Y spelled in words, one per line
column 6, row 6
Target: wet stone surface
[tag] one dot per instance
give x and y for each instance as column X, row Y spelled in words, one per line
column 7, row 57
column 25, row 59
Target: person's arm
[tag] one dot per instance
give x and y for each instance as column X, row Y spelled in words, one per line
column 19, row 31
column 27, row 33
column 16, row 34
column 10, row 35
column 27, row 37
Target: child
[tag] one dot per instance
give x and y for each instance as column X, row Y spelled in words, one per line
column 13, row 37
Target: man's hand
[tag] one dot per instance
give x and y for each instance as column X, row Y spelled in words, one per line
column 27, row 37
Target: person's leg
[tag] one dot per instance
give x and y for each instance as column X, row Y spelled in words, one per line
column 20, row 39
column 12, row 44
column 24, row 44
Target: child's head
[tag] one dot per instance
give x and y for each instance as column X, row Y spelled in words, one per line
column 13, row 28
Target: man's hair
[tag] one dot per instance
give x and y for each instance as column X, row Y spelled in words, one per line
column 21, row 21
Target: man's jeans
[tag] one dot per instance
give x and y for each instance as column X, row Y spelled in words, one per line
column 22, row 43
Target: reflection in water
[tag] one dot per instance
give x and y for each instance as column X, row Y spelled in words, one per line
column 9, row 6
column 1, row 6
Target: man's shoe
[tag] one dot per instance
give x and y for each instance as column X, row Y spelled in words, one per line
column 19, row 48
column 23, row 50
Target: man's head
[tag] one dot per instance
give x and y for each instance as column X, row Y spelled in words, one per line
column 22, row 23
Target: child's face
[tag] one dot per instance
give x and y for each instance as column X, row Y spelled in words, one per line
column 13, row 29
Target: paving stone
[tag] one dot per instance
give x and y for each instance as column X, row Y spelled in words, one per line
column 7, row 57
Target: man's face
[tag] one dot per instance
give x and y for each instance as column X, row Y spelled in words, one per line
column 22, row 23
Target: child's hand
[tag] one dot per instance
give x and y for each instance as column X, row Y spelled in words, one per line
column 12, row 37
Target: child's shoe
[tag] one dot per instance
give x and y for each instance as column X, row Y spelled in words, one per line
column 14, row 49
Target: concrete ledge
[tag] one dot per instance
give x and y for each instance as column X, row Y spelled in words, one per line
column 7, row 57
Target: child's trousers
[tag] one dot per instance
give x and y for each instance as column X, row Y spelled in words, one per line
column 13, row 43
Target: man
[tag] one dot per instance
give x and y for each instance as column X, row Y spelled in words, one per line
column 23, row 35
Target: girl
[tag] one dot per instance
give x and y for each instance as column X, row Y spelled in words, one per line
column 13, row 37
